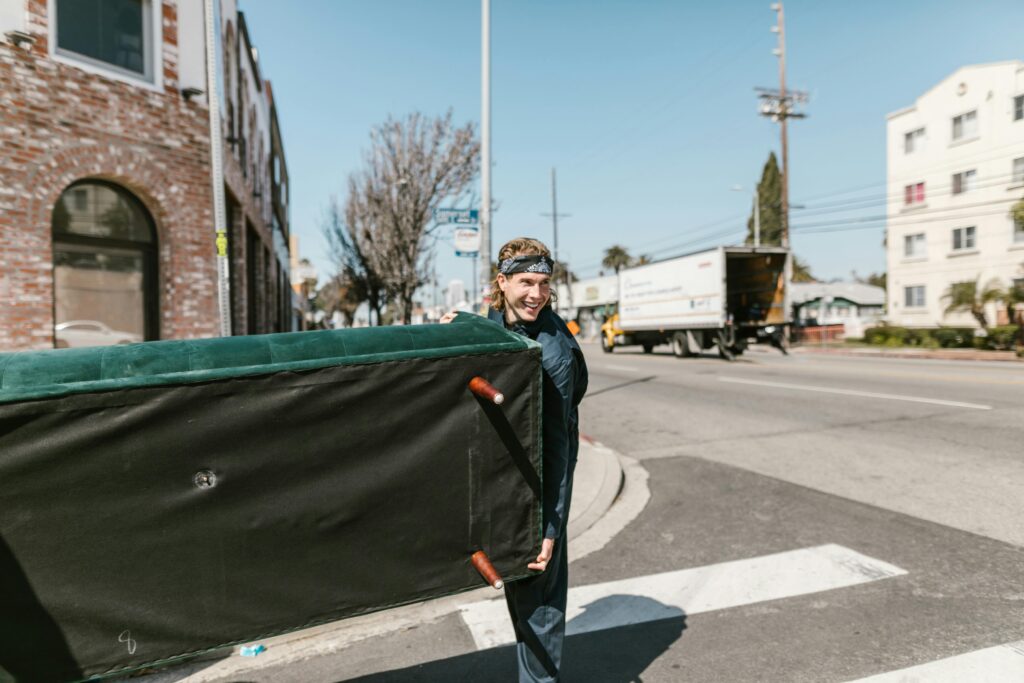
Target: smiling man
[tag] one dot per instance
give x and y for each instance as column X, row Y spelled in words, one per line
column 521, row 301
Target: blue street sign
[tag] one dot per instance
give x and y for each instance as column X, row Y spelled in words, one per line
column 470, row 254
column 457, row 216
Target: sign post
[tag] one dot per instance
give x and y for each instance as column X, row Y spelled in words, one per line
column 466, row 236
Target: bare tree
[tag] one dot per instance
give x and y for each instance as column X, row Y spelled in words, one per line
column 350, row 236
column 412, row 166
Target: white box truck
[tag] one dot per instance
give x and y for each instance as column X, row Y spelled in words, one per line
column 720, row 298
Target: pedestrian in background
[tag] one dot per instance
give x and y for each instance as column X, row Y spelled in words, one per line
column 521, row 300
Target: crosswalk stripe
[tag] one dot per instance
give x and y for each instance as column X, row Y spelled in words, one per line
column 999, row 663
column 691, row 591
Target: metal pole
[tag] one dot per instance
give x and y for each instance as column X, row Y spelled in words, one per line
column 217, row 174
column 485, row 147
column 554, row 212
column 784, row 105
column 472, row 301
column 757, row 219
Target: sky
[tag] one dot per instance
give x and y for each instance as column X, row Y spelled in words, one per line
column 646, row 108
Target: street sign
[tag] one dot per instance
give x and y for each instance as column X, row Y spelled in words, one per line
column 464, row 216
column 467, row 241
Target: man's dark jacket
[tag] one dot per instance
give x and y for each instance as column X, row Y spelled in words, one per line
column 565, row 382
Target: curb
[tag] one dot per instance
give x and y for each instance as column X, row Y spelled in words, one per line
column 613, row 491
column 972, row 356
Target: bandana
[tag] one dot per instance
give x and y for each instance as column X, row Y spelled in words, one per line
column 526, row 264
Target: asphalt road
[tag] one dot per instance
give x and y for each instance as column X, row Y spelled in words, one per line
column 938, row 440
column 900, row 482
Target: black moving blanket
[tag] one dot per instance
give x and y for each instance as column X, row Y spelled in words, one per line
column 162, row 499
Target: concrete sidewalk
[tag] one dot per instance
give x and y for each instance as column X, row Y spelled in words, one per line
column 909, row 352
column 599, row 479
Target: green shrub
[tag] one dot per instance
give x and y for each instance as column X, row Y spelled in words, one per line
column 886, row 335
column 876, row 335
column 1001, row 338
column 953, row 337
column 917, row 337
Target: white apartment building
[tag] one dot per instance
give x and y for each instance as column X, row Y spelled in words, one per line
column 955, row 163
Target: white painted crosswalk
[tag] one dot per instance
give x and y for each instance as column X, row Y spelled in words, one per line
column 993, row 664
column 692, row 591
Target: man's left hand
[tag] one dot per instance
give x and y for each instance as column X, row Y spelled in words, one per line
column 547, row 547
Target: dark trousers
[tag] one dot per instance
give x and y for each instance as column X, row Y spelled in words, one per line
column 537, row 608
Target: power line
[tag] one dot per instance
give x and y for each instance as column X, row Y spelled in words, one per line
column 909, row 219
column 865, row 202
column 961, row 162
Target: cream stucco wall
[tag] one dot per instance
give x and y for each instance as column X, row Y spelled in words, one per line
column 989, row 90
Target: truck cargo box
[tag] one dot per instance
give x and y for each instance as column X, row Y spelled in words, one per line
column 708, row 289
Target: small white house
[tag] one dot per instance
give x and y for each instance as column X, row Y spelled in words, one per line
column 854, row 305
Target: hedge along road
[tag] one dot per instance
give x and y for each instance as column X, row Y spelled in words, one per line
column 937, row 440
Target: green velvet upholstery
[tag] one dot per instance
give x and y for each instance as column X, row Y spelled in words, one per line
column 61, row 372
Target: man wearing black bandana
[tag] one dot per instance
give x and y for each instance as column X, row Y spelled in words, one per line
column 521, row 301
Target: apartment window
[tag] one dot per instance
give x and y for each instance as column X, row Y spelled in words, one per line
column 1018, row 232
column 1018, row 170
column 1018, row 107
column 963, row 238
column 965, row 126
column 913, row 297
column 115, row 34
column 914, row 246
column 913, row 141
column 913, row 194
column 963, row 181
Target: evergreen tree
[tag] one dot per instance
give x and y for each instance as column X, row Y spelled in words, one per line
column 769, row 197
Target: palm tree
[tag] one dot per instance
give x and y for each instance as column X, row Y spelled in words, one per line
column 642, row 260
column 1014, row 299
column 616, row 257
column 966, row 296
column 801, row 271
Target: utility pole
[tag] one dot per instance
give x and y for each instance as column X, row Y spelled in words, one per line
column 554, row 215
column 217, row 170
column 780, row 105
column 485, row 147
column 554, row 226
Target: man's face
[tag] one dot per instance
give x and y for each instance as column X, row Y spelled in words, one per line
column 526, row 294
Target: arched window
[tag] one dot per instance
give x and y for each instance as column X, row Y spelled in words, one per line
column 104, row 267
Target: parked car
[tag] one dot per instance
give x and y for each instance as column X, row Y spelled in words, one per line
column 75, row 333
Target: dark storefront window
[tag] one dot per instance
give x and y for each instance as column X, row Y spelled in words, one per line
column 111, row 33
column 104, row 268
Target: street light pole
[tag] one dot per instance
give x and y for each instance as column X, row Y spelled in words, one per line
column 757, row 219
column 485, row 147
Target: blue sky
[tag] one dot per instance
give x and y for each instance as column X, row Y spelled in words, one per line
column 645, row 107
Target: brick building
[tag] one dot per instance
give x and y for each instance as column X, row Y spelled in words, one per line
column 106, row 215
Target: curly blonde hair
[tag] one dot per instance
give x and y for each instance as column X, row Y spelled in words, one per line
column 520, row 246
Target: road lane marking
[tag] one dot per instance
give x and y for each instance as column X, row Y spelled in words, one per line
column 999, row 663
column 691, row 591
column 853, row 392
column 910, row 375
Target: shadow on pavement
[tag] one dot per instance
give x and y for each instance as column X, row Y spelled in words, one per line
column 611, row 655
column 622, row 385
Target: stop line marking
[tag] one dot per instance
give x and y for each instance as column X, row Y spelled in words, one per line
column 691, row 591
column 853, row 392
column 999, row 663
